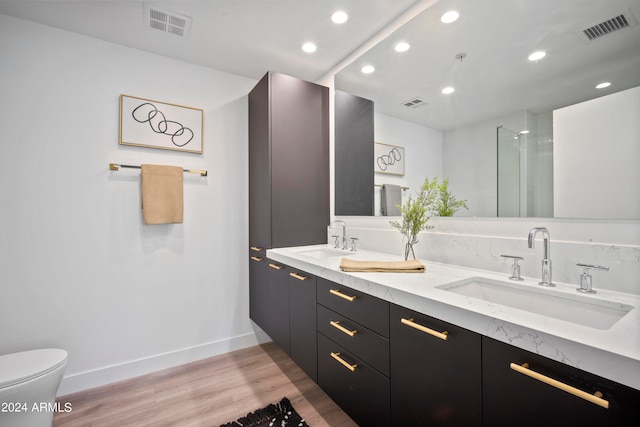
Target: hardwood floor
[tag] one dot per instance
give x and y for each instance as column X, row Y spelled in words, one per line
column 209, row 392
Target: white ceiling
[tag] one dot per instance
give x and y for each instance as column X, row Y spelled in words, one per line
column 244, row 37
column 496, row 79
column 250, row 37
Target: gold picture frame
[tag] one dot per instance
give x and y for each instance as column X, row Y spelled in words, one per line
column 155, row 124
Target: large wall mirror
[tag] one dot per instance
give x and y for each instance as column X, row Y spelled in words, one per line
column 516, row 137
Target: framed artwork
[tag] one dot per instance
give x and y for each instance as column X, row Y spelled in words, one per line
column 388, row 159
column 155, row 124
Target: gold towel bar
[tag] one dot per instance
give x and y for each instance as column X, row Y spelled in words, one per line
column 115, row 167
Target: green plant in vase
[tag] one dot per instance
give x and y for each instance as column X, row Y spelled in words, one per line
column 416, row 214
column 432, row 199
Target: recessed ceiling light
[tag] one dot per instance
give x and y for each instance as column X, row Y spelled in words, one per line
column 402, row 47
column 368, row 69
column 603, row 85
column 535, row 56
column 339, row 17
column 447, row 90
column 450, row 17
column 309, row 47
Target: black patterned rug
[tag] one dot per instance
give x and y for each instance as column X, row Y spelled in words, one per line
column 280, row 414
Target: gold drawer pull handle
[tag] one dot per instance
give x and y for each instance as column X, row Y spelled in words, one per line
column 595, row 398
column 255, row 248
column 338, row 326
column 409, row 322
column 255, row 258
column 297, row 276
column 346, row 364
column 276, row 266
column 341, row 295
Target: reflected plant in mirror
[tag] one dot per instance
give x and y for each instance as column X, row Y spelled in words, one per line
column 447, row 204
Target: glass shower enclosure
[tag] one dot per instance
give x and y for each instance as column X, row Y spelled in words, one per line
column 525, row 174
column 508, row 173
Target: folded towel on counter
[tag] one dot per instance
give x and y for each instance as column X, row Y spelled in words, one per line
column 411, row 266
column 162, row 195
column 390, row 200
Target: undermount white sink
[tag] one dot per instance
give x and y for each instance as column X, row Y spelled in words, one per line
column 586, row 311
column 324, row 253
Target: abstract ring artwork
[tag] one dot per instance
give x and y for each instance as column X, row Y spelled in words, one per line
column 388, row 159
column 155, row 124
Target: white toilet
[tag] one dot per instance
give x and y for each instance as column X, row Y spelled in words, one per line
column 29, row 381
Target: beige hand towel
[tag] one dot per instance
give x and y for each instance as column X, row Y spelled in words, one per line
column 162, row 195
column 411, row 266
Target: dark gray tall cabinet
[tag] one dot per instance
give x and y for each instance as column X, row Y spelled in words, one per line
column 288, row 191
column 354, row 138
column 288, row 162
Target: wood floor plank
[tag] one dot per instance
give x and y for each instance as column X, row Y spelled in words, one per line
column 208, row 393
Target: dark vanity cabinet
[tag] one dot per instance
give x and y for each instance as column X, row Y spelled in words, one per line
column 302, row 322
column 353, row 352
column 386, row 365
column 354, row 138
column 523, row 398
column 436, row 372
column 259, row 290
column 269, row 298
column 283, row 303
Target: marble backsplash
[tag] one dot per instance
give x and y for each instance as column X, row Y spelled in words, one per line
column 479, row 242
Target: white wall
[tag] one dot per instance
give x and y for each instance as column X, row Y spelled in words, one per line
column 78, row 269
column 470, row 162
column 422, row 149
column 600, row 139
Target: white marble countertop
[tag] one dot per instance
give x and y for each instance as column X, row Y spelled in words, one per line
column 613, row 353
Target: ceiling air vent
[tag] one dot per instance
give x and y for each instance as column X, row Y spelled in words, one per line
column 166, row 21
column 415, row 102
column 609, row 26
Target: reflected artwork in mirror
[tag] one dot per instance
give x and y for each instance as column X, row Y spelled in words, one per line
column 577, row 138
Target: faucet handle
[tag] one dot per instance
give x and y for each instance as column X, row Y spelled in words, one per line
column 353, row 244
column 585, row 277
column 515, row 268
column 336, row 242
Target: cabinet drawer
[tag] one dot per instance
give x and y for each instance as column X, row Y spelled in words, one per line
column 361, row 391
column 367, row 310
column 364, row 343
column 535, row 403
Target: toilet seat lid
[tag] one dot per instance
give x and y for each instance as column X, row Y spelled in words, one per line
column 20, row 367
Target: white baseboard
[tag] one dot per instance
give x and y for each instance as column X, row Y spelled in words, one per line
column 85, row 380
